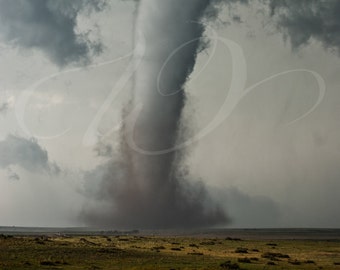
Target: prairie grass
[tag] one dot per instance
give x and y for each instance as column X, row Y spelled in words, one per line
column 158, row 252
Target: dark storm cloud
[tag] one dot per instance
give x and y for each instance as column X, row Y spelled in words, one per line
column 50, row 26
column 304, row 20
column 26, row 153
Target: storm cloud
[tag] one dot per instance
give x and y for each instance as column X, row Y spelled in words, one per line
column 265, row 174
column 50, row 26
column 26, row 153
column 304, row 20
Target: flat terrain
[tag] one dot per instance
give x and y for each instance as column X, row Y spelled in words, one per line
column 164, row 252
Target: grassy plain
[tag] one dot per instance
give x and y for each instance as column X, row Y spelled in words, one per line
column 161, row 252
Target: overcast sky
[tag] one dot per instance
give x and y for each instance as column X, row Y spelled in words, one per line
column 265, row 164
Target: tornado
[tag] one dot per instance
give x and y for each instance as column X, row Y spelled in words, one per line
column 147, row 186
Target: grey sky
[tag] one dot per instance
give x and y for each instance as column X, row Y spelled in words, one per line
column 266, row 173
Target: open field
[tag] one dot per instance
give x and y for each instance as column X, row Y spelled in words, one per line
column 164, row 252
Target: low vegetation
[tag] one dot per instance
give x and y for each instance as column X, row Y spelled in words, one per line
column 151, row 252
